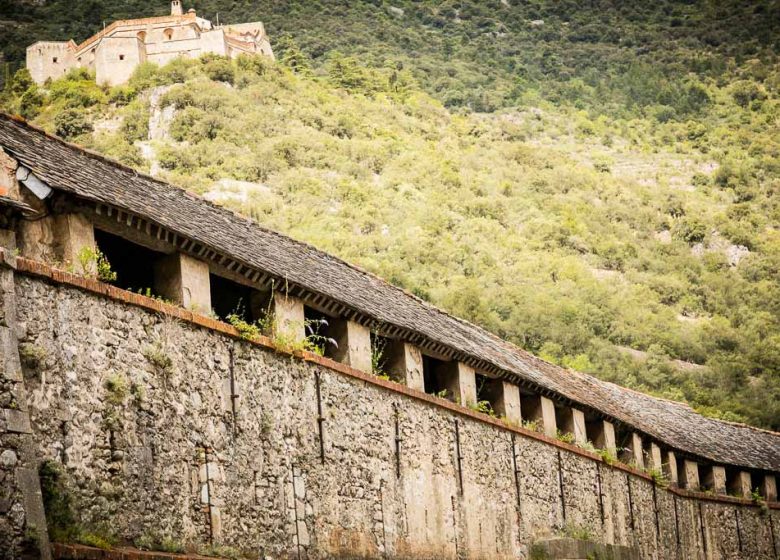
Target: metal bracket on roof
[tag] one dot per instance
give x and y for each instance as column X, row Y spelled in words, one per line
column 40, row 189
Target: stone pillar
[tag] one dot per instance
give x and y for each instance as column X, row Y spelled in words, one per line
column 289, row 319
column 715, row 479
column 573, row 422
column 73, row 234
column 506, row 401
column 604, row 437
column 353, row 344
column 537, row 408
column 768, row 487
column 405, row 364
column 670, row 468
column 633, row 453
column 740, row 485
column 8, row 184
column 654, row 457
column 689, row 476
column 184, row 280
column 460, row 381
column 23, row 512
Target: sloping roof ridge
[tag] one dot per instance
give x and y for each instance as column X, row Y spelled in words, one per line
column 122, row 167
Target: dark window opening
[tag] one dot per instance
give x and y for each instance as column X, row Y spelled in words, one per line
column 594, row 431
column 764, row 486
column 121, row 57
column 54, row 60
column 319, row 332
column 435, row 384
column 531, row 405
column 382, row 356
column 489, row 395
column 563, row 419
column 706, row 477
column 623, row 442
column 682, row 475
column 231, row 298
column 133, row 264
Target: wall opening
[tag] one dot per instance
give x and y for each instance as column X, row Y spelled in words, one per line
column 706, row 478
column 133, row 263
column 319, row 328
column 383, row 354
column 121, row 57
column 54, row 60
column 434, row 381
column 594, row 430
column 231, row 298
column 489, row 394
column 168, row 33
column 766, row 484
column 142, row 36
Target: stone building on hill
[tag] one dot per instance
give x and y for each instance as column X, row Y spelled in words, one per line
column 115, row 52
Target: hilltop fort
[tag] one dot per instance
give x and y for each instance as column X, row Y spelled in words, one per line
column 115, row 52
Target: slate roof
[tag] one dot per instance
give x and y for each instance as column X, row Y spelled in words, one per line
column 70, row 169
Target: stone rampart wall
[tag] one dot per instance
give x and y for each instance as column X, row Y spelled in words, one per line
column 166, row 428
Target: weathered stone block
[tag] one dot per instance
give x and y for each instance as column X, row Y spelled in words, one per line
column 460, row 381
column 74, row 233
column 740, row 485
column 405, row 364
column 30, row 486
column 353, row 344
column 506, row 401
column 185, row 280
column 604, row 436
column 537, row 408
column 768, row 487
column 633, row 454
column 572, row 421
column 289, row 319
column 654, row 457
column 10, row 366
column 16, row 421
column 715, row 479
column 575, row 549
column 670, row 468
column 689, row 475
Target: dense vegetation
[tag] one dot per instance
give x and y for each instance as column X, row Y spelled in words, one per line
column 583, row 182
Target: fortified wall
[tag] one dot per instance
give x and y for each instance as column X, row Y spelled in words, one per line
column 166, row 424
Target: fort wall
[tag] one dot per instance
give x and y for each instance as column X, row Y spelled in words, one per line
column 50, row 60
column 116, row 51
column 169, row 424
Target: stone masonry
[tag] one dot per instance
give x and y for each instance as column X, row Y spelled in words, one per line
column 130, row 403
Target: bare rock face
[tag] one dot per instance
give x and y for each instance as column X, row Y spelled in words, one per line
column 718, row 244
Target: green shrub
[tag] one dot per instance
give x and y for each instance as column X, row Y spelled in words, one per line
column 220, row 70
column 71, row 124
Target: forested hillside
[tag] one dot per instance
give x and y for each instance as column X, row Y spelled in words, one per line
column 597, row 182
